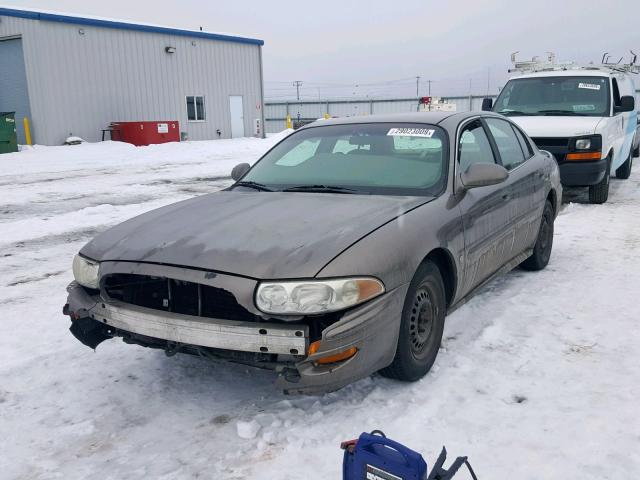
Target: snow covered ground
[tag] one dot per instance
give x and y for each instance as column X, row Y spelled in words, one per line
column 538, row 376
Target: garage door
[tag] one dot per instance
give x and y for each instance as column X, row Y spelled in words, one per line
column 14, row 96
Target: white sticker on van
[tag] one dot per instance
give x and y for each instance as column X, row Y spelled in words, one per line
column 411, row 132
column 589, row 86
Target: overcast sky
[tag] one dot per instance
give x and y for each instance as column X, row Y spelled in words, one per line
column 377, row 48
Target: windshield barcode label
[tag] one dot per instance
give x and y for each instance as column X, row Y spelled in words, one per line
column 411, row 132
column 589, row 86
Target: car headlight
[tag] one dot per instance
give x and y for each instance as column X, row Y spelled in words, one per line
column 583, row 144
column 85, row 272
column 315, row 296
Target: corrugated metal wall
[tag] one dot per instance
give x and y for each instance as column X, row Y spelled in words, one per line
column 78, row 83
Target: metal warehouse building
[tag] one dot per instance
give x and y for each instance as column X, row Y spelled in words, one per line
column 74, row 76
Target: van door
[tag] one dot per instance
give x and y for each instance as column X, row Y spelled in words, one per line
column 624, row 124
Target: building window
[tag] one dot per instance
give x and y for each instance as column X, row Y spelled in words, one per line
column 195, row 108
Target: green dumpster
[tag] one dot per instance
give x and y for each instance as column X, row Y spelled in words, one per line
column 8, row 138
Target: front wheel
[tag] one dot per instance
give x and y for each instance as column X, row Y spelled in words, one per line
column 421, row 326
column 544, row 243
column 600, row 193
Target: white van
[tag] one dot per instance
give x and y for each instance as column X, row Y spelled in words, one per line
column 586, row 116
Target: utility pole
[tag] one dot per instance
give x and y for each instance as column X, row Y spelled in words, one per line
column 418, row 86
column 429, row 82
column 297, row 84
column 488, row 80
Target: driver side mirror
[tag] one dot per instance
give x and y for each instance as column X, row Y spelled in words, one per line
column 239, row 170
column 487, row 104
column 483, row 175
column 627, row 104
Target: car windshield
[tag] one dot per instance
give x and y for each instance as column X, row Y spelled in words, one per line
column 374, row 158
column 555, row 96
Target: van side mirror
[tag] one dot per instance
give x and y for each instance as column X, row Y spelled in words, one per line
column 239, row 170
column 627, row 104
column 483, row 175
column 487, row 104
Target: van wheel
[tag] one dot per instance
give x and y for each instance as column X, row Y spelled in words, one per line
column 624, row 171
column 600, row 193
column 421, row 326
column 544, row 243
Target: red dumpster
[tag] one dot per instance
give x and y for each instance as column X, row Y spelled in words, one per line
column 146, row 133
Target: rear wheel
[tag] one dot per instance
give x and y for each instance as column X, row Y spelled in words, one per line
column 421, row 326
column 544, row 243
column 624, row 171
column 600, row 193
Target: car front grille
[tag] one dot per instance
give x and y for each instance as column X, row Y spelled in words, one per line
column 171, row 295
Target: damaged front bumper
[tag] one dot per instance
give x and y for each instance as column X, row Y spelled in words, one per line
column 371, row 328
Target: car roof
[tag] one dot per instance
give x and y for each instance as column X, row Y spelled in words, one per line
column 431, row 118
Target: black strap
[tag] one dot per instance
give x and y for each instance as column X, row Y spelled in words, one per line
column 378, row 432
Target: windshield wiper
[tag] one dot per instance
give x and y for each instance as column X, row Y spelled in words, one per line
column 562, row 112
column 514, row 112
column 254, row 185
column 320, row 188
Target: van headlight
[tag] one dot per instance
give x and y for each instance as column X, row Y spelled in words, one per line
column 583, row 144
column 85, row 272
column 306, row 297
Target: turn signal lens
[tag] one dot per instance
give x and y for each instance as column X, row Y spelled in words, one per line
column 334, row 358
column 338, row 357
column 584, row 156
column 313, row 348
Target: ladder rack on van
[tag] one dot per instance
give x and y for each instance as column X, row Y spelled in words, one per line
column 536, row 64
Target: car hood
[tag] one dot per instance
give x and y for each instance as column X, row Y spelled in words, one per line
column 548, row 126
column 255, row 234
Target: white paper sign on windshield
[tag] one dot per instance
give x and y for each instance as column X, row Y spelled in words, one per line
column 411, row 132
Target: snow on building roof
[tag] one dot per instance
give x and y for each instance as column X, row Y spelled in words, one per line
column 122, row 25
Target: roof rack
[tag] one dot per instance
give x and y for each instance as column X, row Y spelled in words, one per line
column 536, row 64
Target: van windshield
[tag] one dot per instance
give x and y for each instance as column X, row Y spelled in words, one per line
column 555, row 96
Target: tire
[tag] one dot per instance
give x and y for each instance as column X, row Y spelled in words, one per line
column 421, row 326
column 624, row 171
column 599, row 193
column 544, row 243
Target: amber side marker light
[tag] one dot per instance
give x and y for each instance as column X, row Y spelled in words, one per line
column 335, row 358
column 584, row 156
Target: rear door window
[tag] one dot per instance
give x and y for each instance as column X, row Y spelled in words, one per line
column 474, row 146
column 508, row 145
column 524, row 143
